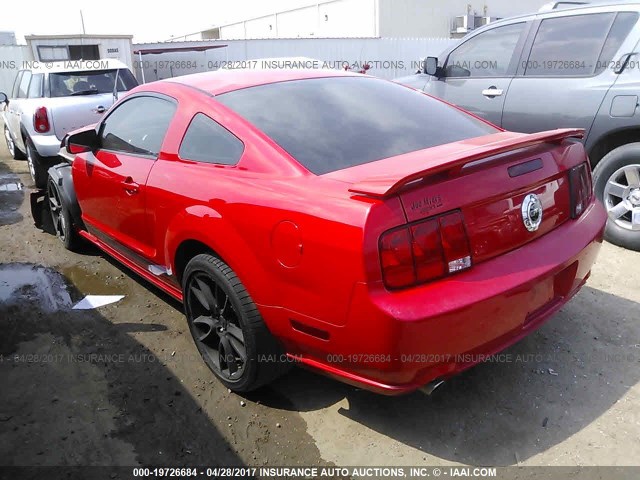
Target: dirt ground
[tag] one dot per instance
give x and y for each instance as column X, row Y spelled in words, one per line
column 123, row 384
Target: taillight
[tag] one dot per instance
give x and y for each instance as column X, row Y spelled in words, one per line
column 427, row 250
column 424, row 251
column 581, row 189
column 41, row 120
column 397, row 258
column 455, row 243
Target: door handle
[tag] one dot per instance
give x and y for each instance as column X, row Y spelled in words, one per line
column 130, row 186
column 99, row 109
column 492, row 92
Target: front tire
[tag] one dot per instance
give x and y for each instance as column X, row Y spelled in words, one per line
column 37, row 165
column 616, row 181
column 14, row 151
column 61, row 217
column 227, row 327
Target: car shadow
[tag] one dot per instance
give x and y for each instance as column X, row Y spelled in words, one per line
column 551, row 385
column 78, row 389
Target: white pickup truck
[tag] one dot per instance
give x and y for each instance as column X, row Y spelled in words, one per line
column 53, row 99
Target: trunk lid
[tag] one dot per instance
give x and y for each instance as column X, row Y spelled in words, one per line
column 487, row 179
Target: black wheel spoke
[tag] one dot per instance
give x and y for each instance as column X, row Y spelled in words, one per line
column 228, row 356
column 199, row 296
column 205, row 295
column 207, row 326
column 218, row 292
column 235, row 332
column 238, row 347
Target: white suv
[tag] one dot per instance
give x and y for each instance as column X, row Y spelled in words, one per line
column 52, row 99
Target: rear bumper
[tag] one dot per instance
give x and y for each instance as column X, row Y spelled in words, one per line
column 396, row 342
column 46, row 145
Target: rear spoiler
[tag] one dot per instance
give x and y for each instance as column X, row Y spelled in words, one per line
column 385, row 185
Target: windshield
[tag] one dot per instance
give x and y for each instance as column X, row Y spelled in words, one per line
column 89, row 83
column 328, row 124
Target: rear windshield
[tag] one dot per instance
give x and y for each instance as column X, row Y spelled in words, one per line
column 328, row 124
column 89, row 83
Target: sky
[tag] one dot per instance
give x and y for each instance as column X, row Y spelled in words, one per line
column 146, row 21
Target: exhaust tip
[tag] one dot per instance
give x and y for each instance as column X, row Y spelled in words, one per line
column 431, row 387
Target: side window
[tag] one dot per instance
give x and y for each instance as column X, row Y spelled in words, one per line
column 621, row 27
column 24, row 84
column 208, row 141
column 16, row 84
column 485, row 55
column 35, row 87
column 569, row 46
column 137, row 126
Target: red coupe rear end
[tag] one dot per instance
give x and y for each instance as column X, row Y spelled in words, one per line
column 497, row 237
column 468, row 243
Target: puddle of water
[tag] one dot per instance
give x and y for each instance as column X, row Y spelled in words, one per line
column 11, row 197
column 89, row 283
column 21, row 283
column 26, row 283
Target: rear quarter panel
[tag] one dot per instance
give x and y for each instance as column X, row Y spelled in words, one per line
column 279, row 239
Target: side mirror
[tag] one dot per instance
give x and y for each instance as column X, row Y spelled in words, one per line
column 3, row 98
column 430, row 67
column 83, row 141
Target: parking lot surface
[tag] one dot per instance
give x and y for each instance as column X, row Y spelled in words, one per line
column 124, row 385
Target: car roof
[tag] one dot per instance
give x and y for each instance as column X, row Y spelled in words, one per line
column 77, row 66
column 604, row 5
column 223, row 81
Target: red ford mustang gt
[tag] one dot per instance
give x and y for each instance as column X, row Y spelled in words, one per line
column 345, row 222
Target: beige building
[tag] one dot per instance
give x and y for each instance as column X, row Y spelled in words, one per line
column 371, row 18
column 52, row 48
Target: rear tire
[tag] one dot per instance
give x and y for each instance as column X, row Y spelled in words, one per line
column 227, row 327
column 61, row 217
column 616, row 182
column 37, row 165
column 14, row 151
